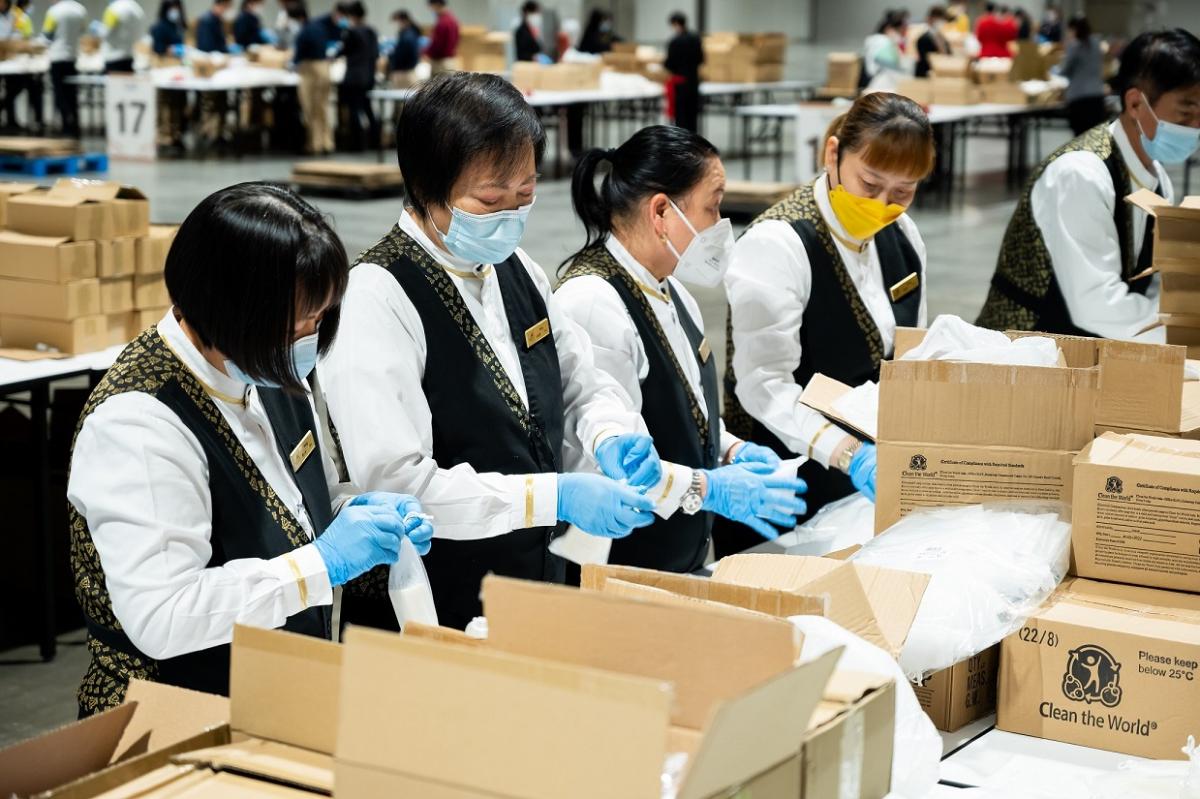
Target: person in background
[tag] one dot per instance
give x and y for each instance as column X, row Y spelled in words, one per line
column 361, row 48
column 653, row 225
column 402, row 63
column 166, row 40
column 903, row 16
column 527, row 38
column 959, row 20
column 1024, row 25
column 456, row 372
column 64, row 23
column 685, row 55
column 292, row 16
column 931, row 42
column 121, row 26
column 320, row 38
column 598, row 36
column 994, row 33
column 33, row 83
column 443, row 40
column 818, row 285
column 248, row 28
column 186, row 516
column 1051, row 30
column 210, row 28
column 883, row 63
column 211, row 39
column 1074, row 255
column 1083, row 66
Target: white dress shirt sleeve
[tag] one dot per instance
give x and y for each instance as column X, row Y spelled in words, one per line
column 140, row 478
column 1073, row 207
column 909, row 228
column 768, row 285
column 371, row 378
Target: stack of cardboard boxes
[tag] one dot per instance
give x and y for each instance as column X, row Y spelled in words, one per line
column 481, row 50
column 530, row 76
column 80, row 265
column 842, row 77
column 957, row 80
column 744, row 57
column 636, row 59
column 1177, row 259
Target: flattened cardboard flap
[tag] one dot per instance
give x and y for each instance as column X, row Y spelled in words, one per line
column 760, row 729
column 1144, row 612
column 1148, row 201
column 772, row 602
column 167, row 715
column 284, row 687
column 709, row 656
column 94, row 190
column 821, row 393
column 1148, row 453
column 63, row 755
column 486, row 722
column 876, row 604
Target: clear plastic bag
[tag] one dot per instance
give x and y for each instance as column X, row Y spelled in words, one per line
column 408, row 588
column 1138, row 779
column 991, row 567
column 844, row 523
column 951, row 339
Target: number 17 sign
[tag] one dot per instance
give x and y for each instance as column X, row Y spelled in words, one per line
column 130, row 117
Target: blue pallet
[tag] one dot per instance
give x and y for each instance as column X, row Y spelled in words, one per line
column 54, row 164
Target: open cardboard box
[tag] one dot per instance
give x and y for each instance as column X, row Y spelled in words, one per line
column 130, row 208
column 601, row 688
column 88, row 757
column 1176, row 232
column 151, row 250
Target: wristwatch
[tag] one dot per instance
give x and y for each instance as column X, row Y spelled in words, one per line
column 693, row 498
column 843, row 464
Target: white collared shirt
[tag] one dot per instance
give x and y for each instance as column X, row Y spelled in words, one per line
column 1073, row 205
column 596, row 306
column 124, row 23
column 372, row 378
column 769, row 284
column 65, row 22
column 141, row 479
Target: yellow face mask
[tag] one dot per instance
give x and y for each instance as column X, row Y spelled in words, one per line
column 862, row 217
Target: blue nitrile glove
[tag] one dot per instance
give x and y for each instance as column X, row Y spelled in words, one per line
column 755, row 500
column 756, row 458
column 862, row 470
column 423, row 42
column 179, row 50
column 602, row 507
column 542, row 58
column 97, row 28
column 630, row 457
column 366, row 533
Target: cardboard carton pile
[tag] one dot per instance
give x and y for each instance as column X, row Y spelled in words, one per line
column 530, row 76
column 346, row 175
column 843, row 72
column 80, row 265
column 744, row 57
column 481, row 50
column 1177, row 259
column 635, row 59
column 957, row 80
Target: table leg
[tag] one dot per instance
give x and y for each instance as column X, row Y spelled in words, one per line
column 39, row 406
column 779, row 151
column 748, row 154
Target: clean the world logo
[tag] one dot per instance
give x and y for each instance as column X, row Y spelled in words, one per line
column 1093, row 675
column 1113, row 485
column 917, row 463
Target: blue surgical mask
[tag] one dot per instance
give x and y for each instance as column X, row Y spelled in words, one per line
column 173, row 15
column 304, row 360
column 343, row 23
column 1172, row 143
column 485, row 238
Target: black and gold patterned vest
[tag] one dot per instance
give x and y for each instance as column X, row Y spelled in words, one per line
column 1025, row 294
column 248, row 520
column 681, row 431
column 838, row 336
column 477, row 415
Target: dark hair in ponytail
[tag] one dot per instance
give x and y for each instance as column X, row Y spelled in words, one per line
column 659, row 158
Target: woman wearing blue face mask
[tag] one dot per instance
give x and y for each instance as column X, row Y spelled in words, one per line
column 200, row 496
column 456, row 376
column 1075, row 253
column 654, row 224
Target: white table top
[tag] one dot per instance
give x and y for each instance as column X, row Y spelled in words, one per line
column 13, row 373
column 230, row 78
column 938, row 114
column 710, row 88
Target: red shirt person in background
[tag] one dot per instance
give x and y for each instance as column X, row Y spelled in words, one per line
column 994, row 33
column 443, row 40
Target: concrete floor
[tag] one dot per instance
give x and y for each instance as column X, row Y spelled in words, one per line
column 962, row 242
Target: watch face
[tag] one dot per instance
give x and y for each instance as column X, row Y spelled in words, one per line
column 691, row 503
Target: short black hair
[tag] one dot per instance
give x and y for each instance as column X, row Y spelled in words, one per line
column 1080, row 26
column 441, row 3
column 242, row 262
column 530, row 7
column 989, row 8
column 353, row 9
column 455, row 118
column 678, row 18
column 401, row 16
column 1158, row 62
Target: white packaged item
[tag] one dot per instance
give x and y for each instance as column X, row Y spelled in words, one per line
column 408, row 588
column 847, row 522
column 579, row 547
column 477, row 628
column 918, row 746
column 1161, row 779
column 860, row 407
column 950, row 338
column 991, row 567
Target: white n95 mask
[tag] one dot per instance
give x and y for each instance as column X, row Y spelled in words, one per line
column 704, row 261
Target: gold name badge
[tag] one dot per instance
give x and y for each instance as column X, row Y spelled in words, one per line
column 302, row 451
column 704, row 350
column 536, row 333
column 905, row 287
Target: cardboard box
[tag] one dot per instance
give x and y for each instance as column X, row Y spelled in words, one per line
column 147, row 317
column 150, row 291
column 84, row 334
column 71, row 217
column 848, row 748
column 962, row 693
column 9, row 190
column 62, row 301
column 530, row 76
column 87, row 757
column 150, row 251
column 116, row 295
column 130, row 208
column 120, row 327
column 1136, row 515
column 949, row 66
column 1004, row 93
column 843, row 72
column 49, row 259
column 1108, row 666
column 954, row 90
column 594, row 720
column 919, row 90
column 1176, row 233
column 116, row 257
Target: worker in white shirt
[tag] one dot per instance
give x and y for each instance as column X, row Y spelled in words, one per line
column 122, row 24
column 456, row 376
column 200, row 494
column 1075, row 254
column 818, row 285
column 654, row 222
column 64, row 23
column 28, row 83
